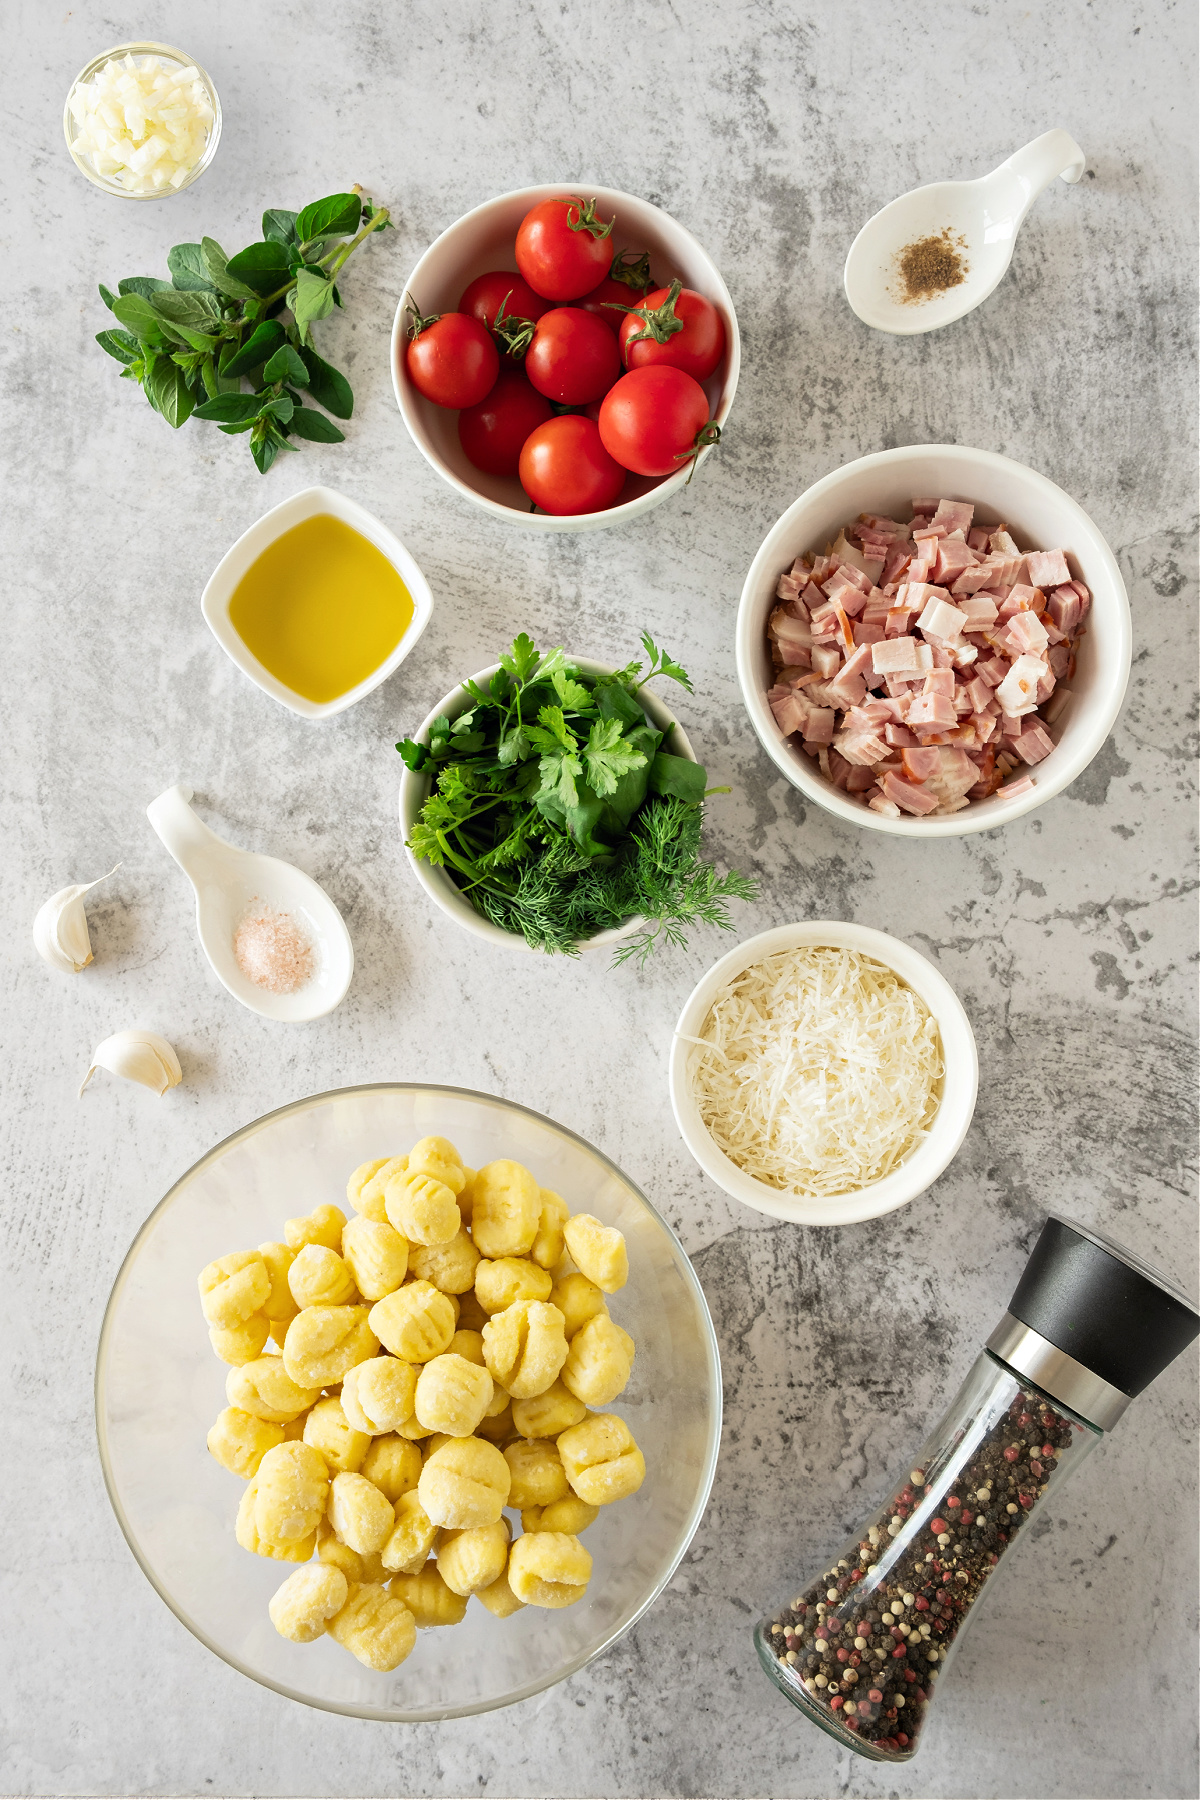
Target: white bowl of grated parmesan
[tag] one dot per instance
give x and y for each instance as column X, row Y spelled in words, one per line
column 824, row 1073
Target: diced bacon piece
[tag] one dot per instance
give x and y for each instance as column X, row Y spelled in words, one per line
column 870, row 714
column 839, row 769
column 787, row 630
column 939, row 681
column 826, row 659
column 1017, row 693
column 900, row 737
column 898, row 621
column 825, row 624
column 1057, row 706
column 821, row 566
column 993, row 670
column 1047, row 568
column 819, row 727
column 866, row 632
column 928, row 507
column 846, row 690
column 1046, row 685
column 1059, row 659
column 859, row 780
column 916, row 595
column 965, row 654
column 859, row 660
column 1034, row 743
column 894, row 656
column 934, row 710
column 919, row 764
column 1027, row 635
column 969, row 581
column 898, row 560
column 849, row 575
column 788, row 587
column 979, row 693
column 859, row 747
column 1066, row 610
column 851, row 600
column 1018, row 599
column 790, row 713
column 907, row 796
column 977, row 538
column 979, row 610
column 983, row 725
column 954, row 775
column 952, row 515
column 941, row 620
column 952, row 558
column 1024, row 784
column 881, row 804
column 1000, row 540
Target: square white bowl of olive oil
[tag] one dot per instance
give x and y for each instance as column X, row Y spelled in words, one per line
column 318, row 603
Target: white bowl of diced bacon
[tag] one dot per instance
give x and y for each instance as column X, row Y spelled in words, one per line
column 933, row 640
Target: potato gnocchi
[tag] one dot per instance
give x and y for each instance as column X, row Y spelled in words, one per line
column 438, row 1359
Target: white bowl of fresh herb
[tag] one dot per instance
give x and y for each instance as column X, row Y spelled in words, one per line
column 553, row 803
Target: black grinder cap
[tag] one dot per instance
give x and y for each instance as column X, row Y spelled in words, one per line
column 1090, row 1323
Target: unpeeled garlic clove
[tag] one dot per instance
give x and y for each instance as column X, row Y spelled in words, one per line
column 138, row 1056
column 60, row 931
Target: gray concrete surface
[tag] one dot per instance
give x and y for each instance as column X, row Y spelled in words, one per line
column 773, row 130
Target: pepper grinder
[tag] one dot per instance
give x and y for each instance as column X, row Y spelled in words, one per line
column 862, row 1649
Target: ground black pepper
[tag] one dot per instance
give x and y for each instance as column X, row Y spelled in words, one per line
column 866, row 1641
column 931, row 265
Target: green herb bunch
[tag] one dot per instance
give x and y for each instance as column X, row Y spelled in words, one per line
column 192, row 341
column 558, row 813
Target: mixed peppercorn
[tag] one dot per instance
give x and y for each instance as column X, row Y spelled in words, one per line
column 867, row 1640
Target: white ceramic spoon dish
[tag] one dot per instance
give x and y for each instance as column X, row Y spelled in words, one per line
column 228, row 881
column 983, row 218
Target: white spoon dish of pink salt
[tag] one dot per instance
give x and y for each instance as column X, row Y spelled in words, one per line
column 273, row 936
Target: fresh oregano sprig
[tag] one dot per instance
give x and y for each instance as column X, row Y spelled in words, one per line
column 191, row 342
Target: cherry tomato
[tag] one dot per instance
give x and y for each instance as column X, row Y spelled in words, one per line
column 572, row 357
column 676, row 327
column 627, row 283
column 493, row 432
column 654, row 419
column 563, row 248
column 452, row 359
column 487, row 294
column 566, row 469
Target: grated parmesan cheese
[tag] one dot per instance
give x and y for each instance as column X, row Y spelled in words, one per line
column 816, row 1071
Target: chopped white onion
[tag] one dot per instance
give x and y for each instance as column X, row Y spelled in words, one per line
column 142, row 123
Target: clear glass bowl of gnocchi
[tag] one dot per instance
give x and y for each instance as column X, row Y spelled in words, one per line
column 464, row 1376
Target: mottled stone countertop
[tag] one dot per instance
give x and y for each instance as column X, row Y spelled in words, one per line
column 773, row 129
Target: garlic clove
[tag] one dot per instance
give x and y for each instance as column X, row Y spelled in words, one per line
column 138, row 1056
column 60, row 931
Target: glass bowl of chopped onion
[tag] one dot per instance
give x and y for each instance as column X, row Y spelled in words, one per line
column 142, row 121
column 159, row 1388
column 824, row 1072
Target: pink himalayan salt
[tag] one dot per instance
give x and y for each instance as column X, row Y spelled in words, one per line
column 272, row 951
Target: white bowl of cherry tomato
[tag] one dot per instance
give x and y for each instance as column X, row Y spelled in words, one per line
column 565, row 357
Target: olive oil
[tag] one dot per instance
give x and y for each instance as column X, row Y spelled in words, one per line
column 321, row 608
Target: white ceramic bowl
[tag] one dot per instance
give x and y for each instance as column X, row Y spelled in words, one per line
column 483, row 239
column 159, row 1387
column 1040, row 517
column 959, row 1084
column 214, row 602
column 414, row 791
